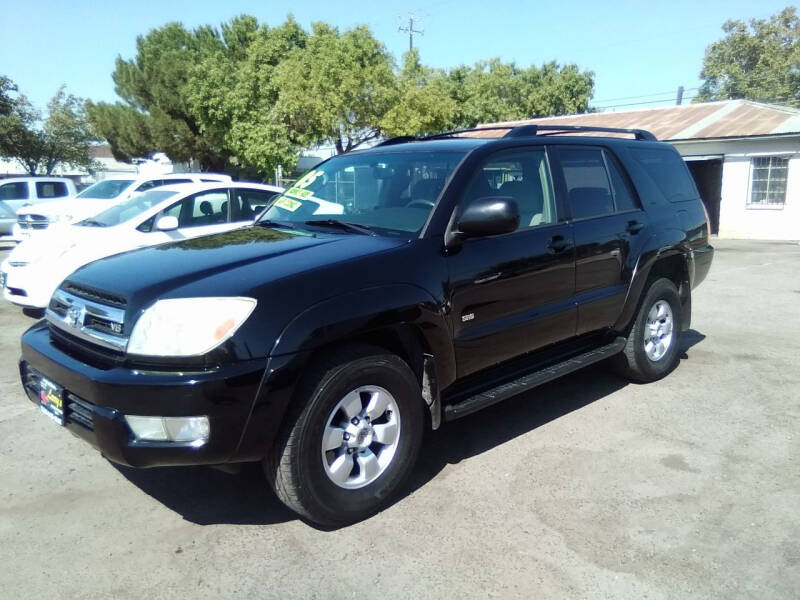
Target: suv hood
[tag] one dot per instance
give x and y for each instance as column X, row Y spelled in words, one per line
column 231, row 264
column 71, row 210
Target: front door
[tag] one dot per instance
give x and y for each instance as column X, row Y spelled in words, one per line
column 511, row 294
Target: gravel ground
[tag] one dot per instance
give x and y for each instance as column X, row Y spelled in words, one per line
column 584, row 488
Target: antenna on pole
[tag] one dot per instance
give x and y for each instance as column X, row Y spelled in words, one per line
column 411, row 31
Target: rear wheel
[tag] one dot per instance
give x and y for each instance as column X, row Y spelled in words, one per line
column 652, row 347
column 351, row 440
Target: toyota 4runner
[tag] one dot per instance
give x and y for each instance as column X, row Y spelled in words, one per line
column 388, row 291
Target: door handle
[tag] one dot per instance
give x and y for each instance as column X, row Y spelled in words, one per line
column 634, row 227
column 557, row 244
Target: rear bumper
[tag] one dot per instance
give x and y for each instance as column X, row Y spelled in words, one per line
column 101, row 395
column 702, row 258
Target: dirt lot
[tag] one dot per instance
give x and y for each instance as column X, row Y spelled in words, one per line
column 584, row 488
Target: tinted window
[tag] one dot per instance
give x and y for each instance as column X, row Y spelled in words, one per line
column 206, row 208
column 623, row 196
column 668, row 171
column 14, row 191
column 51, row 189
column 588, row 187
column 522, row 174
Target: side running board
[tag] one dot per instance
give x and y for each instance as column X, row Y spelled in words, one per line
column 531, row 380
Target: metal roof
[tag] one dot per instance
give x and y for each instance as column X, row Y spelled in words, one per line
column 706, row 120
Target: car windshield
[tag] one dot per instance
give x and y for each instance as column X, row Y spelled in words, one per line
column 390, row 193
column 106, row 189
column 127, row 210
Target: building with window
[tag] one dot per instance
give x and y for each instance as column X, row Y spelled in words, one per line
column 744, row 156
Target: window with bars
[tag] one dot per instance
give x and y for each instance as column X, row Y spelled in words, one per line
column 768, row 181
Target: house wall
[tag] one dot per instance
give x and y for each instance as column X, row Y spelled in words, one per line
column 737, row 219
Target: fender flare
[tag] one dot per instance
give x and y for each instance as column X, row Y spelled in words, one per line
column 397, row 307
column 657, row 248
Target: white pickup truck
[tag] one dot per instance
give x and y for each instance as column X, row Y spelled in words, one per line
column 97, row 198
column 19, row 192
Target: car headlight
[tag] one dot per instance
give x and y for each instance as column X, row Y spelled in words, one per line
column 53, row 218
column 188, row 326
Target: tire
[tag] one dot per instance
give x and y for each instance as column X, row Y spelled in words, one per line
column 353, row 479
column 642, row 360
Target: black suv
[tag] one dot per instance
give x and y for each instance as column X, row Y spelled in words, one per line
column 389, row 290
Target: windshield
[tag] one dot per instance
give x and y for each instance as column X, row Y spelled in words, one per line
column 127, row 210
column 106, row 189
column 391, row 193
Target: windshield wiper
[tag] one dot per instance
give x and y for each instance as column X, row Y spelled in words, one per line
column 93, row 223
column 271, row 223
column 362, row 229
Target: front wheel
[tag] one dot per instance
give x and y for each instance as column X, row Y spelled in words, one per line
column 652, row 347
column 351, row 440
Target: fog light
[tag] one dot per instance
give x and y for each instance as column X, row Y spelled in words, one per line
column 170, row 429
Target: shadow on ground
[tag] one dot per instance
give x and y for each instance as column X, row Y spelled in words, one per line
column 207, row 496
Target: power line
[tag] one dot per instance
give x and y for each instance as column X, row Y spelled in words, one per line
column 670, row 92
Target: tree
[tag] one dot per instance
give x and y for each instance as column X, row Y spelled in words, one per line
column 759, row 61
column 234, row 93
column 424, row 103
column 155, row 113
column 337, row 87
column 65, row 137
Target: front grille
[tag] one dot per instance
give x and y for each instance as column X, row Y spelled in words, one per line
column 88, row 293
column 87, row 320
column 76, row 409
column 33, row 222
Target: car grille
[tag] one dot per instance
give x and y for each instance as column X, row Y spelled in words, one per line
column 33, row 222
column 76, row 409
column 76, row 312
column 88, row 293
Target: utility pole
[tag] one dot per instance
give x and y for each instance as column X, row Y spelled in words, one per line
column 411, row 31
column 679, row 99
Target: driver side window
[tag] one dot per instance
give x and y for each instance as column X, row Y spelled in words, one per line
column 522, row 174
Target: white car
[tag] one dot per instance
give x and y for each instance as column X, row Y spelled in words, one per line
column 36, row 267
column 96, row 198
column 18, row 192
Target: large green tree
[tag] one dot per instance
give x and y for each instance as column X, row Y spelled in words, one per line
column 155, row 113
column 233, row 93
column 759, row 60
column 63, row 138
column 337, row 87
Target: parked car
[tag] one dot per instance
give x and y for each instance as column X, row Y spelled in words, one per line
column 96, row 198
column 18, row 192
column 458, row 272
column 33, row 269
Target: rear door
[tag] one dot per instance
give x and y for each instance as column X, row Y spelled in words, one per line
column 511, row 294
column 607, row 218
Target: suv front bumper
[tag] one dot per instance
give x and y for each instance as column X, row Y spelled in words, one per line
column 97, row 396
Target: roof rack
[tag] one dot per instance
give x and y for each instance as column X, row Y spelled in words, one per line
column 526, row 131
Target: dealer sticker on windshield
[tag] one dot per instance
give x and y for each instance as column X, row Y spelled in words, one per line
column 288, row 204
column 299, row 193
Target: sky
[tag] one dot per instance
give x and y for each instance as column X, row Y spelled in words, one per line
column 640, row 51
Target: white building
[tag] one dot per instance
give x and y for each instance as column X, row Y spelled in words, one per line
column 745, row 158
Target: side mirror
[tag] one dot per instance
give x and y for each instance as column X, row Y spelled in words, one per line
column 489, row 215
column 167, row 223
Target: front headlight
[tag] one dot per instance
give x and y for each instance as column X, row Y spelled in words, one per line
column 53, row 218
column 188, row 326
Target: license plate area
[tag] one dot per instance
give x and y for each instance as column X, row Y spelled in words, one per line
column 51, row 400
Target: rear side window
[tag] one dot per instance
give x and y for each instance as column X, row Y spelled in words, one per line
column 14, row 191
column 623, row 197
column 667, row 171
column 588, row 186
column 51, row 189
